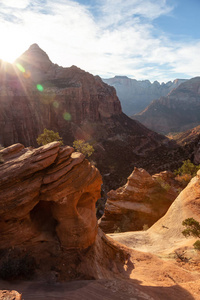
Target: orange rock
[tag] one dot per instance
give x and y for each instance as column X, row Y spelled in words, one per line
column 140, row 202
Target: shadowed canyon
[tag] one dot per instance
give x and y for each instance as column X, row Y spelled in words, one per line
column 52, row 245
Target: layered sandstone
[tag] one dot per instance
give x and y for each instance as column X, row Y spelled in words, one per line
column 48, row 221
column 140, row 202
column 48, row 225
column 165, row 236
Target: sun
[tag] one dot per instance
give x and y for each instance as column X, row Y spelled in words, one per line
column 7, row 54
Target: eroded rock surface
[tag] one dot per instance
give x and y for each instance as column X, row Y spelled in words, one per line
column 140, row 202
column 48, row 222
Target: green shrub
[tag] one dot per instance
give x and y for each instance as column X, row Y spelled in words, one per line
column 187, row 168
column 49, row 136
column 192, row 229
column 197, row 245
column 83, row 147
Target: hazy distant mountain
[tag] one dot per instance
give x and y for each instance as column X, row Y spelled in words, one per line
column 137, row 95
column 179, row 111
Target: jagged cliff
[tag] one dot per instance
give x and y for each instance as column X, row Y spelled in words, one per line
column 177, row 112
column 136, row 95
column 36, row 94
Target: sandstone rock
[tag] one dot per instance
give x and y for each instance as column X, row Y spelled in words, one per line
column 165, row 236
column 10, row 295
column 48, row 218
column 140, row 202
column 65, row 179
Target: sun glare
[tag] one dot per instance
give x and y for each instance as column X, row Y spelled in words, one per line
column 7, row 55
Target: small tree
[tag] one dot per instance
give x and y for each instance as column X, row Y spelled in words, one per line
column 192, row 229
column 83, row 147
column 49, row 136
column 187, row 168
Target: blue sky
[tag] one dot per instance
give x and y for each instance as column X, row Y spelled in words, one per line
column 142, row 39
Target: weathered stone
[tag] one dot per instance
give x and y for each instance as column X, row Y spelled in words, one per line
column 140, row 202
column 71, row 187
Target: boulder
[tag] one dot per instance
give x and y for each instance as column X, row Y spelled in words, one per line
column 140, row 202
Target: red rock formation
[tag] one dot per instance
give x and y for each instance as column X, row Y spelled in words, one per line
column 140, row 202
column 48, row 217
column 10, row 295
column 37, row 94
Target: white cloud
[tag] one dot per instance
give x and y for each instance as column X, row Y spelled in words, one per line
column 15, row 3
column 119, row 40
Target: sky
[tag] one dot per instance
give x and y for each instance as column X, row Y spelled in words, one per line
column 142, row 39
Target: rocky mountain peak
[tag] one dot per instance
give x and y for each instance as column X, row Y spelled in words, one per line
column 35, row 61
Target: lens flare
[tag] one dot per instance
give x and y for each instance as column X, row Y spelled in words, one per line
column 56, row 104
column 40, row 87
column 27, row 74
column 21, row 68
column 67, row 116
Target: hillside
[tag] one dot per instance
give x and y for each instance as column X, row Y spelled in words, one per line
column 36, row 94
column 177, row 112
column 136, row 95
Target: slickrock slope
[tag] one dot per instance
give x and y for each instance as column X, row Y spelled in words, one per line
column 166, row 234
column 140, row 202
column 48, row 231
column 179, row 111
column 136, row 95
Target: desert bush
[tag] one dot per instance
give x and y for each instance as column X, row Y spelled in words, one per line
column 187, row 168
column 197, row 245
column 49, row 136
column 184, row 179
column 192, row 229
column 83, row 147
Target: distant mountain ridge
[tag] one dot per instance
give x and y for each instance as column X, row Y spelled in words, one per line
column 177, row 112
column 136, row 95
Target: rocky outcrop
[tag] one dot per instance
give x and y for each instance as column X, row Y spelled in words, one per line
column 48, row 222
column 10, row 295
column 48, row 231
column 140, row 202
column 136, row 95
column 177, row 112
column 165, row 236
